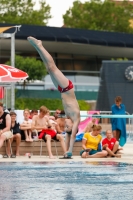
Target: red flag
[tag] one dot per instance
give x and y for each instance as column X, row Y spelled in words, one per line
column 1, row 92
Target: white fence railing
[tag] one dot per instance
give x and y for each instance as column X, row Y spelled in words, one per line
column 105, row 117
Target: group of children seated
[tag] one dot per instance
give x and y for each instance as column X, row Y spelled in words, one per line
column 44, row 126
column 39, row 126
column 95, row 147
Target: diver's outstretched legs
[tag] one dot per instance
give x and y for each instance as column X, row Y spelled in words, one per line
column 57, row 76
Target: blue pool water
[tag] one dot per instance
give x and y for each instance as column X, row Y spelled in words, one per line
column 66, row 181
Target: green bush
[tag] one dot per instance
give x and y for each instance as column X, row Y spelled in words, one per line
column 51, row 104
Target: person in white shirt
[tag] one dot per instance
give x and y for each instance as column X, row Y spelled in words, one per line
column 26, row 126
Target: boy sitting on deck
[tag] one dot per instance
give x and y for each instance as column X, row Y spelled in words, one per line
column 26, row 126
column 111, row 145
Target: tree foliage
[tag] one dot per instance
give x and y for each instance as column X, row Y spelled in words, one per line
column 51, row 104
column 100, row 15
column 34, row 68
column 23, row 12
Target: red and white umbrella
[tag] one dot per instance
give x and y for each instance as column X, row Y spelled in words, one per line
column 11, row 74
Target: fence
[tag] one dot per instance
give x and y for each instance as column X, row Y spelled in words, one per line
column 107, row 120
column 107, row 115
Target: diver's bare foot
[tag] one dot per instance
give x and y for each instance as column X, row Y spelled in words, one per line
column 34, row 42
column 27, row 140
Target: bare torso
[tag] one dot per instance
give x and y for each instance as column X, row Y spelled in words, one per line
column 39, row 123
column 60, row 125
column 70, row 105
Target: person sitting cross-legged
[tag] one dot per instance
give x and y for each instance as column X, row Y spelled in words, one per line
column 16, row 133
column 111, row 145
column 90, row 143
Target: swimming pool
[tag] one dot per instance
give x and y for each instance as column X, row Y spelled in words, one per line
column 66, row 181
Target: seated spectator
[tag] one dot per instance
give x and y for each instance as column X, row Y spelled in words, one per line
column 50, row 116
column 90, row 143
column 57, row 113
column 61, row 122
column 26, row 126
column 91, row 123
column 47, row 135
column 111, row 145
column 39, row 122
column 32, row 113
column 5, row 124
column 53, row 125
column 16, row 133
column 45, row 130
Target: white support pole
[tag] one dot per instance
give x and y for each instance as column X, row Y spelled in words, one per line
column 13, row 64
column 108, row 116
column 6, row 98
column 12, row 36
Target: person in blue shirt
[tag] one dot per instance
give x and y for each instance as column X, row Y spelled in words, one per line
column 119, row 124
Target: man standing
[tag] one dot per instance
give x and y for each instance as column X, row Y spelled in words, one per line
column 5, row 125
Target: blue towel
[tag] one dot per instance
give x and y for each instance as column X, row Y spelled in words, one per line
column 79, row 137
column 119, row 123
column 99, row 147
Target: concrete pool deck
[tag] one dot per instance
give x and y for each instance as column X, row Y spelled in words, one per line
column 126, row 157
